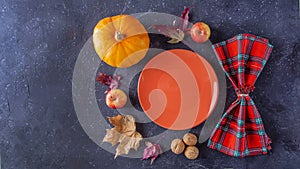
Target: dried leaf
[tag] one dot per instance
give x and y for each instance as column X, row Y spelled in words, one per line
column 174, row 33
column 104, row 78
column 124, row 133
column 123, row 124
column 111, row 82
column 114, row 84
column 152, row 150
column 112, row 136
column 127, row 143
column 184, row 21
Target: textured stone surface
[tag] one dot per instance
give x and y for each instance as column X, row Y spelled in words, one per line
column 40, row 41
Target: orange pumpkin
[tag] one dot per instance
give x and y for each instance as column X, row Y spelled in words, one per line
column 120, row 41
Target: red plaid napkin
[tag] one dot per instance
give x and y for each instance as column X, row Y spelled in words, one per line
column 240, row 132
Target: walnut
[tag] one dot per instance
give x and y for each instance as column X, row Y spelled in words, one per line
column 177, row 146
column 191, row 152
column 190, row 139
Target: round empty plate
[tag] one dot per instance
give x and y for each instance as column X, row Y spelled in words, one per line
column 178, row 89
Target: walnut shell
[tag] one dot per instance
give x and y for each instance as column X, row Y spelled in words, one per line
column 177, row 146
column 191, row 152
column 190, row 139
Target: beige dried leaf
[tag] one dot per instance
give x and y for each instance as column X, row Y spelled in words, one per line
column 112, row 136
column 124, row 132
column 127, row 143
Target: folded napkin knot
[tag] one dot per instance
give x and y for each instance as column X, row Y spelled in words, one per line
column 245, row 90
column 240, row 132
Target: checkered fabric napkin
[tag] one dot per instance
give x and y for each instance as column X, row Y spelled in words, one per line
column 240, row 132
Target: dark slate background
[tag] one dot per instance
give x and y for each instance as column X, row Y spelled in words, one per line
column 41, row 39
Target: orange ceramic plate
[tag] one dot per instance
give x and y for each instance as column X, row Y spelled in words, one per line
column 177, row 89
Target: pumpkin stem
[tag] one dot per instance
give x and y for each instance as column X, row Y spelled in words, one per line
column 119, row 36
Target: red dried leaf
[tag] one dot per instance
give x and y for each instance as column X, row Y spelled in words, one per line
column 184, row 21
column 111, row 82
column 151, row 151
column 104, row 79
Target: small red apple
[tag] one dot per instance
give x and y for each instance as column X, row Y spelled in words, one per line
column 116, row 99
column 200, row 32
